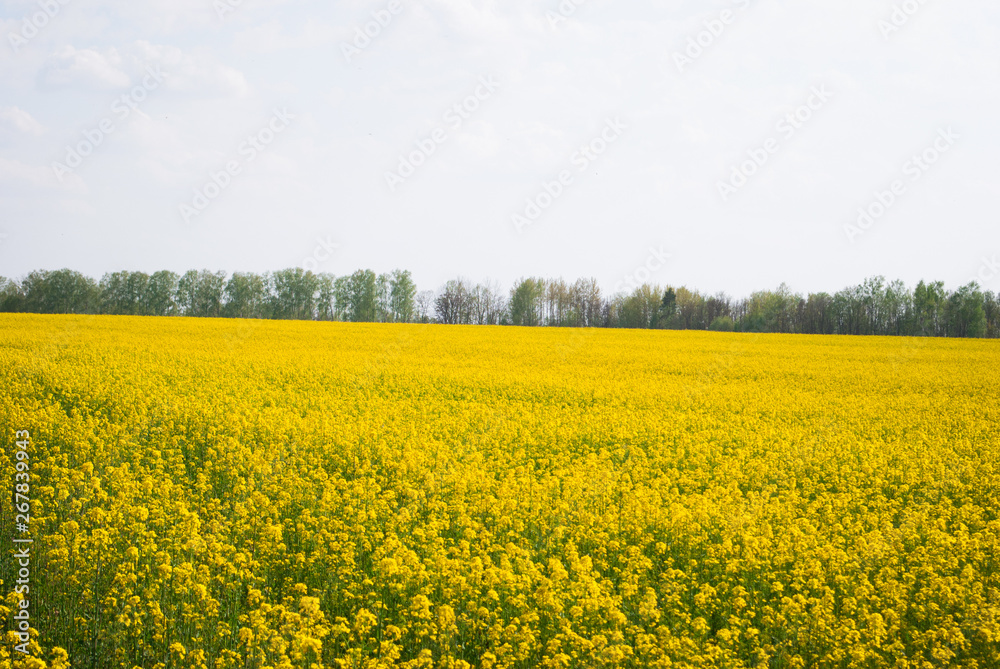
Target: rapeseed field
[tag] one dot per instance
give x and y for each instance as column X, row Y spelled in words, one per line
column 214, row 494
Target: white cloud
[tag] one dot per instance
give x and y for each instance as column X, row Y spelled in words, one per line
column 21, row 120
column 191, row 73
column 482, row 140
column 557, row 84
column 271, row 37
column 85, row 68
column 38, row 176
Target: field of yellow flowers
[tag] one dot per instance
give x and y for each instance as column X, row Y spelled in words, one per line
column 222, row 494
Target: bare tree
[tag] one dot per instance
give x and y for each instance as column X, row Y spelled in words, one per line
column 425, row 302
column 585, row 298
column 491, row 304
column 454, row 302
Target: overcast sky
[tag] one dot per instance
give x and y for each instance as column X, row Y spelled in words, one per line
column 494, row 140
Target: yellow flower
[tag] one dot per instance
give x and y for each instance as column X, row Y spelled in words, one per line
column 277, row 494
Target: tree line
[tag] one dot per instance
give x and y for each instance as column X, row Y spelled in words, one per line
column 875, row 307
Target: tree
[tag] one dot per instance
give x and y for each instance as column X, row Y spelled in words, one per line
column 453, row 305
column 123, row 293
column 719, row 306
column 721, row 324
column 326, row 297
column 929, row 306
column 586, row 300
column 293, row 294
column 873, row 299
column 363, row 296
column 425, row 303
column 246, row 296
column 199, row 294
column 666, row 313
column 158, row 300
column 772, row 311
column 487, row 304
column 690, row 309
column 526, row 302
column 114, row 298
column 965, row 314
column 11, row 297
column 557, row 303
column 847, row 311
column 402, row 297
column 817, row 315
column 991, row 310
column 383, row 310
column 611, row 311
column 342, row 298
column 638, row 309
column 898, row 308
column 63, row 291
column 875, row 307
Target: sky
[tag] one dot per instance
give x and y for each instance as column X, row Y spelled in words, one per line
column 726, row 146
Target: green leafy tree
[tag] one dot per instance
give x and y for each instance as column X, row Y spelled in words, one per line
column 526, row 302
column 11, row 297
column 200, row 294
column 326, row 299
column 965, row 314
column 61, row 291
column 123, row 293
column 772, row 311
column 246, row 296
column 691, row 309
column 402, row 297
column 638, row 309
column 929, row 300
column 342, row 298
column 991, row 310
column 160, row 296
column 363, row 299
column 721, row 324
column 293, row 294
column 666, row 313
column 817, row 316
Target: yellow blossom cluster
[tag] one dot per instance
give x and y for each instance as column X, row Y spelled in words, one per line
column 214, row 494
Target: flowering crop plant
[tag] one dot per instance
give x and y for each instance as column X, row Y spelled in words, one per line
column 216, row 494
